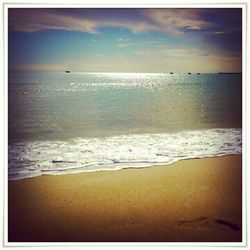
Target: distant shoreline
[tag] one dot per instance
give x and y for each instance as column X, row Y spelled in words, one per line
column 120, row 72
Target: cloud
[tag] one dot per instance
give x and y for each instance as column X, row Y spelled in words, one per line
column 175, row 21
column 32, row 20
column 123, row 39
column 215, row 34
column 38, row 67
column 124, row 42
column 154, row 60
column 190, row 60
column 170, row 53
column 38, row 19
column 172, row 21
column 124, row 45
column 153, row 42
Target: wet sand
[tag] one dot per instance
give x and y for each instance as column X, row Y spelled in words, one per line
column 195, row 200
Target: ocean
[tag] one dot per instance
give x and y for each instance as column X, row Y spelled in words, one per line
column 80, row 122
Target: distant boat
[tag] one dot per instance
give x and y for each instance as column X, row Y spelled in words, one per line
column 171, row 73
column 189, row 73
column 198, row 73
column 67, row 71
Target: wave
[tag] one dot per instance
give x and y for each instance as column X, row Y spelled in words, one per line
column 111, row 153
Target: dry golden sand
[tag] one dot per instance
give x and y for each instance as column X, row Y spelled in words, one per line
column 191, row 200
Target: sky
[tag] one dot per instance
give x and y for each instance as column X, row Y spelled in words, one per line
column 125, row 40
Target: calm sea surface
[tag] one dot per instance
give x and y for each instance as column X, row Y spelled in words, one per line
column 60, row 123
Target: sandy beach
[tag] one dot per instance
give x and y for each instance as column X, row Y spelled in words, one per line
column 195, row 200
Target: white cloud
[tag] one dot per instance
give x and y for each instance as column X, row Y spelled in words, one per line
column 124, row 45
column 123, row 39
column 164, row 20
column 189, row 60
column 166, row 60
column 174, row 21
column 124, row 42
column 35, row 20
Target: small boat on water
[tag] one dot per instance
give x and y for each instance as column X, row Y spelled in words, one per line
column 171, row 73
column 67, row 71
column 189, row 73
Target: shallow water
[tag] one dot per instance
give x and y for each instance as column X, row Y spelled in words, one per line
column 55, row 116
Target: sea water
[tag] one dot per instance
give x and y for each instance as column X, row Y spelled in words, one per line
column 80, row 122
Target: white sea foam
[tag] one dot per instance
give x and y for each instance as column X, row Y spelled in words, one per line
column 117, row 152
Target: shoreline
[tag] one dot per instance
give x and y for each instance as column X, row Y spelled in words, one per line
column 126, row 168
column 90, row 155
column 197, row 200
